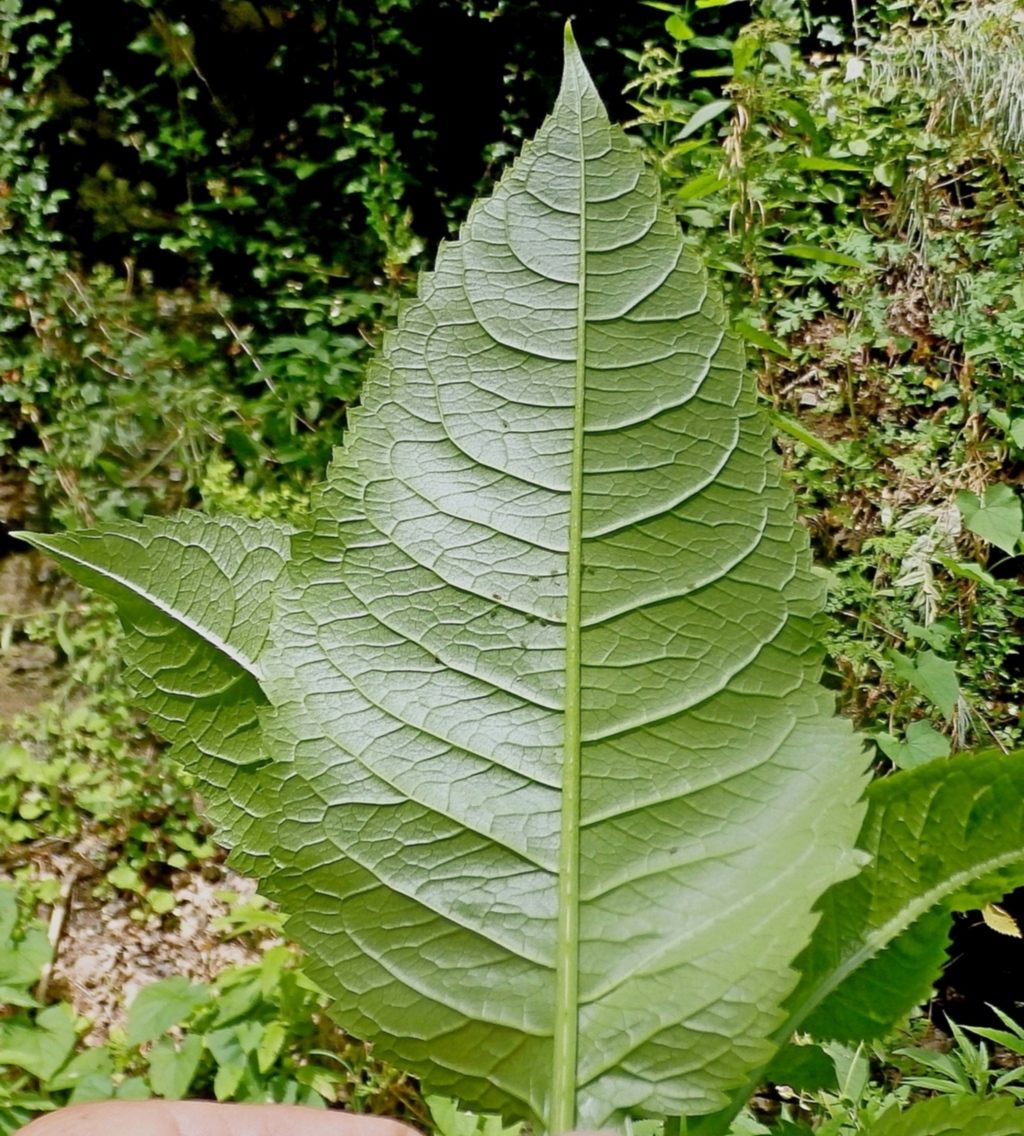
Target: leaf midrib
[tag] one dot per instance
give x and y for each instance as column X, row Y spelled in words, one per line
column 562, row 1116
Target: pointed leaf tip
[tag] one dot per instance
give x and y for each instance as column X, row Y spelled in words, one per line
column 577, row 84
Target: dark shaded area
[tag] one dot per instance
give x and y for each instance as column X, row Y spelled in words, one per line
column 249, row 86
column 986, row 969
column 262, row 118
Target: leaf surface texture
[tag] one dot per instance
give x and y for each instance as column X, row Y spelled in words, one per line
column 539, row 757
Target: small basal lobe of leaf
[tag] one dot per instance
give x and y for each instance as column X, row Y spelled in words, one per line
column 552, row 572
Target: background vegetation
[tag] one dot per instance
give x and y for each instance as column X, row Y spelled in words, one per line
column 208, row 212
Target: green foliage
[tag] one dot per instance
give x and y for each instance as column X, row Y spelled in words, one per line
column 941, row 838
column 206, row 214
column 117, row 391
column 945, row 1116
column 553, row 646
column 873, row 245
column 80, row 768
column 965, row 1071
column 258, row 1033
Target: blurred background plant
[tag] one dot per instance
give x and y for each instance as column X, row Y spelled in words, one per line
column 859, row 188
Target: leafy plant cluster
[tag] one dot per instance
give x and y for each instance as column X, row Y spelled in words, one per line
column 80, row 771
column 258, row 1033
column 864, row 203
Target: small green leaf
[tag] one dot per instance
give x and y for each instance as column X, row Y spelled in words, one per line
column 269, row 1048
column 39, row 1046
column 161, row 900
column 822, row 165
column 938, row 635
column 932, row 676
column 134, row 1088
column 231, row 1061
column 826, row 256
column 161, row 1005
column 95, row 1062
column 923, row 743
column 678, row 28
column 761, row 338
column 124, row 878
column 803, row 118
column 700, row 187
column 996, row 517
column 974, row 572
column 743, row 51
column 783, row 53
column 237, row 1002
column 171, row 1069
column 704, row 115
column 318, row 1079
column 796, row 429
column 92, row 1087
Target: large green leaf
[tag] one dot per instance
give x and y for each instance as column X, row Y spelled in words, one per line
column 947, row 836
column 946, row 1116
column 542, row 774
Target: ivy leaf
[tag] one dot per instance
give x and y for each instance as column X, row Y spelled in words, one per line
column 524, row 732
column 996, row 517
column 923, row 743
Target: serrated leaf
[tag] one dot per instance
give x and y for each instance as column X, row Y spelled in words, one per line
column 996, row 517
column 953, row 1116
column 527, row 739
column 162, row 1004
column 946, row 837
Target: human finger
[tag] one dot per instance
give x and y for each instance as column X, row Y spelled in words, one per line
column 205, row 1118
